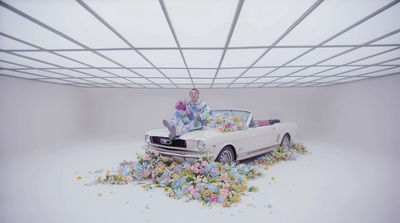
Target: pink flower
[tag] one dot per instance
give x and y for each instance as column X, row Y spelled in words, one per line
column 224, row 176
column 228, row 126
column 197, row 164
column 220, row 128
column 201, row 171
column 186, row 166
column 204, row 163
column 154, row 152
column 195, row 170
column 146, row 156
column 224, row 192
column 214, row 198
column 146, row 173
column 213, row 170
column 129, row 179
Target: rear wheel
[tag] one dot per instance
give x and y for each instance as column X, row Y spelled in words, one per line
column 226, row 156
column 285, row 144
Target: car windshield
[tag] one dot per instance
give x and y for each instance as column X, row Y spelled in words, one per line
column 242, row 114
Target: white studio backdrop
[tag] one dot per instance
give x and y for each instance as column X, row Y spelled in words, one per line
column 50, row 134
column 37, row 115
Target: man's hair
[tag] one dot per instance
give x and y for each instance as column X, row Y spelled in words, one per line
column 194, row 89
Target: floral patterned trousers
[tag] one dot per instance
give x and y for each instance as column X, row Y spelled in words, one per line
column 189, row 124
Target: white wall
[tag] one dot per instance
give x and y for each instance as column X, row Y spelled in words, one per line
column 36, row 115
column 363, row 113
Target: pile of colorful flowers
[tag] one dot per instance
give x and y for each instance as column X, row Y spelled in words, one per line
column 206, row 181
column 226, row 124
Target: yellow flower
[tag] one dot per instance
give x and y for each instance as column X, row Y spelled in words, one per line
column 79, row 178
column 273, row 178
column 159, row 182
column 144, row 186
column 266, row 168
column 184, row 184
column 166, row 188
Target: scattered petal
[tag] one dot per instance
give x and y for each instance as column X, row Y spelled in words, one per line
column 79, row 178
column 99, row 194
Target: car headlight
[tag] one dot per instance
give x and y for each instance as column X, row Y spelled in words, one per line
column 201, row 145
column 147, row 138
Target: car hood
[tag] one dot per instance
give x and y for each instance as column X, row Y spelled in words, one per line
column 195, row 134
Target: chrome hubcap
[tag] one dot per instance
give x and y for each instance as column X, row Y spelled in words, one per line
column 226, row 157
column 286, row 143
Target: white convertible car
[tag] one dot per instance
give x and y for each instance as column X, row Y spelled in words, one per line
column 254, row 137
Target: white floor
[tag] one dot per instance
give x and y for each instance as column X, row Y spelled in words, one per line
column 333, row 184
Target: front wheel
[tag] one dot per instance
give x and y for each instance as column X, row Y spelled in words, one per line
column 226, row 156
column 285, row 144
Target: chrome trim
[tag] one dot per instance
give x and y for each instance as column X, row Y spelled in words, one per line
column 178, row 154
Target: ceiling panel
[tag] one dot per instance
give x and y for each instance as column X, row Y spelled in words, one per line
column 22, row 28
column 310, row 71
column 127, row 58
column 337, row 70
column 203, row 23
column 148, row 72
column 141, row 22
column 70, row 19
column 263, row 22
column 15, row 59
column 280, row 56
column 364, row 71
column 328, row 19
column 168, row 44
column 202, row 58
column 121, row 72
column 200, row 73
column 382, row 57
column 375, row 27
column 164, row 58
column 88, row 58
column 52, row 58
column 241, row 58
column 356, row 54
column 317, row 55
column 11, row 44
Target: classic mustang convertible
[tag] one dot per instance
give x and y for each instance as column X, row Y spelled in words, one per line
column 231, row 136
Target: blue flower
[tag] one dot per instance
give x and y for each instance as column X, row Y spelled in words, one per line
column 127, row 173
column 245, row 169
column 274, row 150
column 213, row 189
column 206, row 198
column 178, row 193
column 233, row 170
column 220, row 199
column 196, row 195
column 213, row 165
column 200, row 186
column 216, row 174
column 137, row 167
column 184, row 188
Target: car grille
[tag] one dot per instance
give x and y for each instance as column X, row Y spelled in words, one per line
column 164, row 141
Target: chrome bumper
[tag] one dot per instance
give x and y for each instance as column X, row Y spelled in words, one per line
column 175, row 153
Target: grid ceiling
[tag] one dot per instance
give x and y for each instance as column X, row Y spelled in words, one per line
column 203, row 44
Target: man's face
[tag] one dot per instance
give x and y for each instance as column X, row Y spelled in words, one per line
column 194, row 95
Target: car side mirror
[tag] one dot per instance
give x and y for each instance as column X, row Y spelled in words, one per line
column 255, row 124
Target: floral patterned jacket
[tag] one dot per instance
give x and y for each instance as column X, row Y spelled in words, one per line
column 199, row 108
